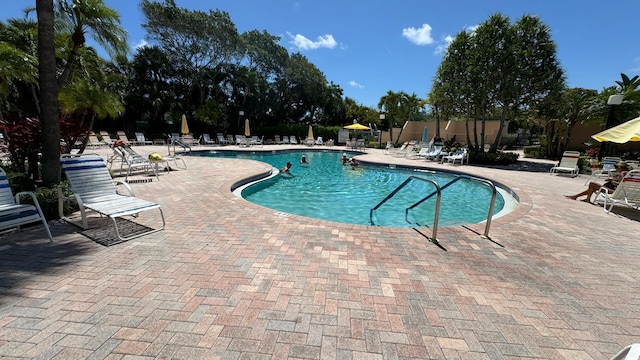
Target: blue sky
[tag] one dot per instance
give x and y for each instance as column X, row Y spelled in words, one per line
column 371, row 47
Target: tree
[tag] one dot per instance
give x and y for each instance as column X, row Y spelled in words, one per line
column 48, row 93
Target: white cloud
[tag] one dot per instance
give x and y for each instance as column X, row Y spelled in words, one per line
column 355, row 84
column 303, row 43
column 421, row 36
column 442, row 48
column 140, row 44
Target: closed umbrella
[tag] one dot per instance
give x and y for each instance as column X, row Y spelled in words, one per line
column 425, row 134
column 247, row 130
column 628, row 131
column 310, row 133
column 184, row 128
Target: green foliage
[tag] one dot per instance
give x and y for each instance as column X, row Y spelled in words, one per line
column 497, row 158
column 533, row 151
column 48, row 199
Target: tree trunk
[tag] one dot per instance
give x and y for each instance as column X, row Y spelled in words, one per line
column 48, row 94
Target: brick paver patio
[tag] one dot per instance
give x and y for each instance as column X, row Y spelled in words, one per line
column 228, row 279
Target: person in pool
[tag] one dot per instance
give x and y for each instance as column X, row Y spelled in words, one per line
column 303, row 160
column 286, row 169
column 344, row 160
column 354, row 163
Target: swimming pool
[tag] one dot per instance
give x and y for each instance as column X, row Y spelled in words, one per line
column 326, row 189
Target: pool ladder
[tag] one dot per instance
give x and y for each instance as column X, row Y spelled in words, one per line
column 438, row 192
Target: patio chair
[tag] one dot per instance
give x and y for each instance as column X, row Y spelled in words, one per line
column 256, row 141
column 459, row 155
column 627, row 193
column 309, row 141
column 93, row 189
column 606, row 171
column 319, row 141
column 122, row 136
column 130, row 161
column 94, row 142
column 221, row 139
column 293, row 140
column 231, row 140
column 106, row 138
column 568, row 163
column 630, row 352
column 285, row 139
column 178, row 162
column 13, row 214
column 434, row 154
column 206, row 139
column 277, row 139
column 141, row 140
column 241, row 140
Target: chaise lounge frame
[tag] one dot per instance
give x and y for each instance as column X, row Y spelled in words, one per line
column 92, row 187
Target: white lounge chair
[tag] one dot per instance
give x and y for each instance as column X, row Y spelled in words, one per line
column 122, row 136
column 627, row 193
column 568, row 163
column 141, row 140
column 293, row 140
column 93, row 189
column 606, row 171
column 434, row 154
column 13, row 214
column 221, row 139
column 460, row 155
column 130, row 162
column 319, row 141
column 106, row 138
column 94, row 142
column 630, row 352
column 206, row 139
column 256, row 141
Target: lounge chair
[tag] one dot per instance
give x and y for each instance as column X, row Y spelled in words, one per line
column 130, row 161
column 434, row 154
column 122, row 136
column 460, row 155
column 178, row 162
column 189, row 140
column 568, row 163
column 106, row 138
column 206, row 140
column 293, row 140
column 630, row 352
column 241, row 140
column 285, row 139
column 319, row 141
column 141, row 140
column 13, row 214
column 309, row 141
column 606, row 171
column 221, row 139
column 256, row 141
column 93, row 189
column 231, row 140
column 277, row 139
column 94, row 142
column 627, row 193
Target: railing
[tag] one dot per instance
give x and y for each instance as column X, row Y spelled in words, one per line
column 176, row 141
column 438, row 193
column 397, row 189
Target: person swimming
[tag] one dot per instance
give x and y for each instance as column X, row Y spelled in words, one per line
column 344, row 160
column 303, row 160
column 286, row 169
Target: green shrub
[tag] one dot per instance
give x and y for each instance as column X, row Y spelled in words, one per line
column 48, row 199
column 532, row 151
column 498, row 158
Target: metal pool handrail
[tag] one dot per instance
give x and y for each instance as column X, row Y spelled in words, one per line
column 458, row 177
column 409, row 179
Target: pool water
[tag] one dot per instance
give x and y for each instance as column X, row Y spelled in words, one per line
column 326, row 189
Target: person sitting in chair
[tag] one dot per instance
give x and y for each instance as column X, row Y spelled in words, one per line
column 610, row 185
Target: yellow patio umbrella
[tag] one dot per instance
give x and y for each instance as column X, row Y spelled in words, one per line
column 247, row 130
column 310, row 133
column 628, row 131
column 184, row 127
column 356, row 126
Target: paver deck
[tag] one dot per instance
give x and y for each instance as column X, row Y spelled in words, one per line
column 228, row 279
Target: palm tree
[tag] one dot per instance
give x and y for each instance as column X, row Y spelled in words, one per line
column 48, row 93
column 81, row 17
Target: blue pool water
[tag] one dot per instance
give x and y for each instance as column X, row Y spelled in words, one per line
column 326, row 189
